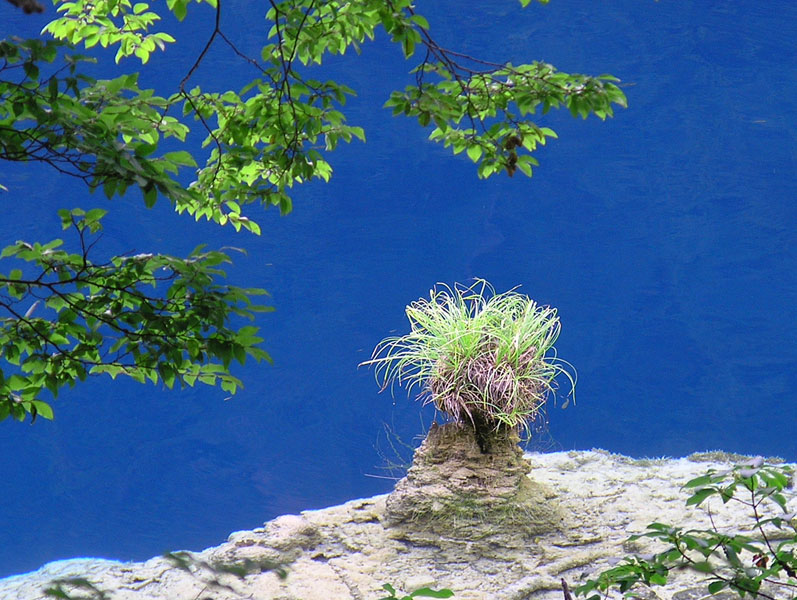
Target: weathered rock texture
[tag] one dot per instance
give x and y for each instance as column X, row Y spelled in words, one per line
column 347, row 552
column 460, row 491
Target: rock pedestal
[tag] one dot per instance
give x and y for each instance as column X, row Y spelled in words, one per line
column 455, row 490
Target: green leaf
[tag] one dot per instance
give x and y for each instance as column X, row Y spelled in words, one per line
column 95, row 214
column 31, row 70
column 179, row 8
column 698, row 497
column 43, row 409
column 180, row 157
column 430, row 593
column 52, row 89
column 475, row 152
column 240, row 353
column 716, row 586
column 167, row 374
column 700, row 481
column 702, row 566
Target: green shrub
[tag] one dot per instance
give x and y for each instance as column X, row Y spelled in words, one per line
column 754, row 564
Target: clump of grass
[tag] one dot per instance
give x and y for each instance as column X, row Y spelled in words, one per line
column 482, row 358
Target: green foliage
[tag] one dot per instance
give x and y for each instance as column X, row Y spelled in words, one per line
column 747, row 563
column 111, row 22
column 486, row 114
column 268, row 131
column 275, row 130
column 150, row 317
column 420, row 592
column 483, row 358
column 106, row 132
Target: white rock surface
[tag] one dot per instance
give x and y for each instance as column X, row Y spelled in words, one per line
column 346, row 553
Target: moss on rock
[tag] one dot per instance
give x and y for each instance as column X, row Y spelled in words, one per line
column 456, row 491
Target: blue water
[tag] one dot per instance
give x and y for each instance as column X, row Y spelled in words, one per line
column 665, row 236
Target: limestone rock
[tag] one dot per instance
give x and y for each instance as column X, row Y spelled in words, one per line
column 281, row 541
column 456, row 492
column 348, row 552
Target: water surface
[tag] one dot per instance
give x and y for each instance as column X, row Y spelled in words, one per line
column 665, row 237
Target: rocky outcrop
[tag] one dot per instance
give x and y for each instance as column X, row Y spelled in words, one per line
column 469, row 492
column 347, row 552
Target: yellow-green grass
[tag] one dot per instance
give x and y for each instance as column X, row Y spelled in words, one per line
column 482, row 358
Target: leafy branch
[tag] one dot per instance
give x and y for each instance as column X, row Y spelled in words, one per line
column 150, row 317
column 275, row 131
column 483, row 107
column 65, row 316
column 747, row 564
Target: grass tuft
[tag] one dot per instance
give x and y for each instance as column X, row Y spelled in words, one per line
column 482, row 358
